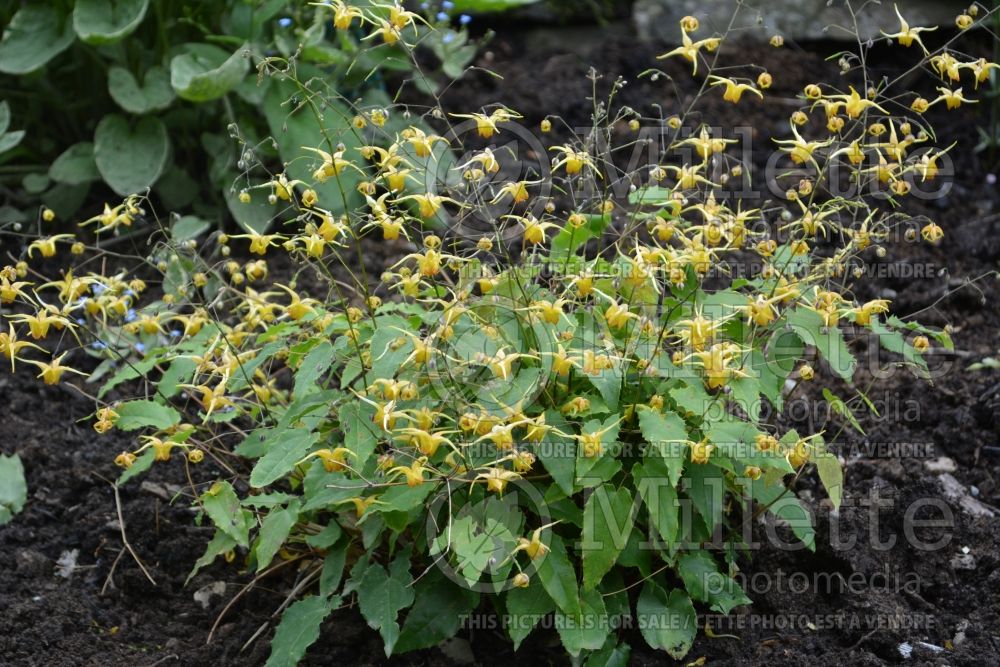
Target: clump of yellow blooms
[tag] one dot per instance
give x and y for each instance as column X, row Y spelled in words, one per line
column 449, row 371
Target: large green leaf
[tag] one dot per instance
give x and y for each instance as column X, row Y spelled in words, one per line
column 107, row 21
column 222, row 506
column 558, row 577
column 667, row 622
column 13, row 488
column 659, row 494
column 525, row 608
column 130, row 157
column 155, row 92
column 383, row 594
column 282, row 454
column 607, row 523
column 297, row 124
column 705, row 583
column 274, row 531
column 829, row 341
column 37, row 34
column 9, row 140
column 706, row 487
column 437, row 613
column 204, row 72
column 665, row 434
column 298, row 629
column 138, row 414
column 587, row 630
column 75, row 165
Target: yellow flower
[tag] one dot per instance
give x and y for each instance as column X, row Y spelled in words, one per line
column 701, row 451
column 907, row 35
column 734, row 91
column 497, row 479
column 343, row 14
column 52, row 372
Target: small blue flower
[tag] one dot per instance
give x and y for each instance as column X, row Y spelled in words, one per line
column 175, row 333
column 81, row 321
column 129, row 292
column 140, row 348
column 448, row 4
column 425, row 6
column 465, row 19
column 130, row 316
column 284, row 22
column 448, row 38
column 442, row 16
column 98, row 288
column 98, row 345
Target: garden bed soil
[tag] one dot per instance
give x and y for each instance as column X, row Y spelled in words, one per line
column 100, row 609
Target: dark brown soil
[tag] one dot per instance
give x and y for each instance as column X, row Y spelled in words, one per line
column 858, row 605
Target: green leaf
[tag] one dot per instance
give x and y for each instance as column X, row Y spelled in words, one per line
column 37, row 34
column 558, row 453
column 558, row 577
column 138, row 414
column 107, row 21
column 894, row 341
column 791, row 510
column 130, row 157
column 569, row 239
column 222, row 506
column 437, row 613
column 333, row 569
column 667, row 623
column 298, row 630
column 659, row 495
column 359, row 433
column 706, row 487
column 607, row 523
column 76, row 165
column 188, row 228
column 482, row 6
column 382, row 595
column 665, row 433
column 9, row 140
column 829, row 341
column 281, row 456
column 832, row 476
column 154, row 94
column 204, row 72
column 476, row 545
column 842, row 409
column 274, row 531
column 312, row 368
column 525, row 608
column 295, row 124
column 587, row 630
column 705, row 583
column 143, row 463
column 220, row 544
column 612, row 654
column 13, row 488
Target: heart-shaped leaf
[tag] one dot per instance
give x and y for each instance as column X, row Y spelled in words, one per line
column 155, row 92
column 130, row 157
column 107, row 21
column 205, row 72
column 36, row 35
column 76, row 165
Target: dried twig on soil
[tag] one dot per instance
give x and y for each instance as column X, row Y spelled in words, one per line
column 125, row 542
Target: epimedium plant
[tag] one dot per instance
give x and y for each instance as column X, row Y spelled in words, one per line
column 558, row 414
column 131, row 95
